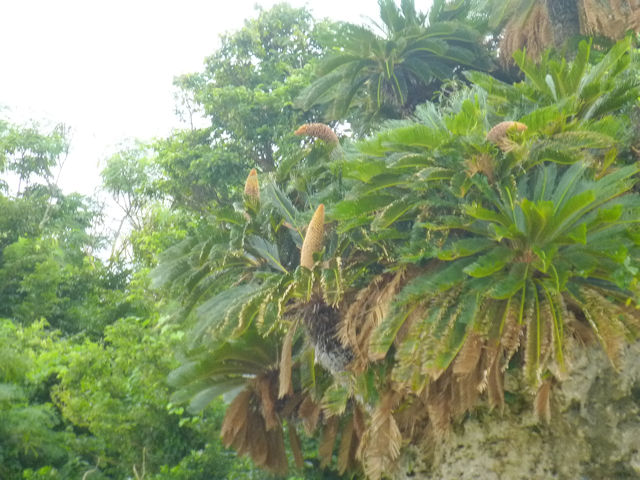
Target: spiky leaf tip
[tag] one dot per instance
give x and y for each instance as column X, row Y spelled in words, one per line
column 251, row 186
column 313, row 238
column 318, row 130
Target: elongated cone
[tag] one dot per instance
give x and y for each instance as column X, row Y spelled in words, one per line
column 318, row 130
column 498, row 134
column 251, row 187
column 313, row 239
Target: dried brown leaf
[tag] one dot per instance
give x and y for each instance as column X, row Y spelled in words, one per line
column 345, row 450
column 277, row 457
column 309, row 412
column 296, row 447
column 236, row 416
column 603, row 315
column 325, row 449
column 285, row 386
column 609, row 18
column 359, row 424
column 512, row 333
column 531, row 31
column 542, row 403
column 380, row 445
column 495, row 384
column 483, row 163
column 440, row 404
column 265, row 387
column 467, row 359
column 257, row 442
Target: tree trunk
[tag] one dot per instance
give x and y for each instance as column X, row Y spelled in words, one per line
column 565, row 20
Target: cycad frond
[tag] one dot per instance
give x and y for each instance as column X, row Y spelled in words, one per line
column 380, row 446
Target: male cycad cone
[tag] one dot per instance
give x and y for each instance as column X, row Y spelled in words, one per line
column 318, row 130
column 251, row 187
column 313, row 239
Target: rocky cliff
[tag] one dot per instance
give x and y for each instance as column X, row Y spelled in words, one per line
column 594, row 432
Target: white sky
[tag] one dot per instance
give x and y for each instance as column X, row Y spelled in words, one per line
column 105, row 68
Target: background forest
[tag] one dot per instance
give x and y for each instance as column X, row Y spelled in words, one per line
column 381, row 232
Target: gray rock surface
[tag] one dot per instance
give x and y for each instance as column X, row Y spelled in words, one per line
column 594, row 433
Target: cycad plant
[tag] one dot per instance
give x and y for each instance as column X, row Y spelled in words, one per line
column 477, row 240
column 389, row 75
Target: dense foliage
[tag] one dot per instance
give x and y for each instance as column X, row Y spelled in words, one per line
column 317, row 301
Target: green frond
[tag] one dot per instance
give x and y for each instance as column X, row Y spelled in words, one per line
column 335, row 398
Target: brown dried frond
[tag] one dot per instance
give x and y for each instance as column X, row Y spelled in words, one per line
column 603, row 315
column 609, row 18
column 284, row 380
column 309, row 412
column 242, row 440
column 412, row 418
column 380, row 446
column 439, row 396
column 531, row 31
column 251, row 187
column 277, row 457
column 255, row 441
column 499, row 134
column 582, row 332
column 359, row 425
column 236, row 416
column 575, row 321
column 546, row 334
column 328, row 440
column 495, row 381
column 265, row 386
column 288, row 407
column 366, row 312
column 542, row 404
column 313, row 239
column 465, row 391
column 318, row 130
column 531, row 365
column 296, row 447
column 245, row 430
column 346, row 450
column 469, row 355
column 511, row 333
column 483, row 163
column 631, row 316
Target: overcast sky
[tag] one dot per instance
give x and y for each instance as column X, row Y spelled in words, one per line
column 105, row 68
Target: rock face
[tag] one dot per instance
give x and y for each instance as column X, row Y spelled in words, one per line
column 594, row 433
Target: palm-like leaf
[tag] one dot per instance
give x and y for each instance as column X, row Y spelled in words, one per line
column 392, row 74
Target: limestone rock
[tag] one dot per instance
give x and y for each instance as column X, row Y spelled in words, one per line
column 594, row 432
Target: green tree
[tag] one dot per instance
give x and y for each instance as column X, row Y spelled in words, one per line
column 48, row 267
column 246, row 93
